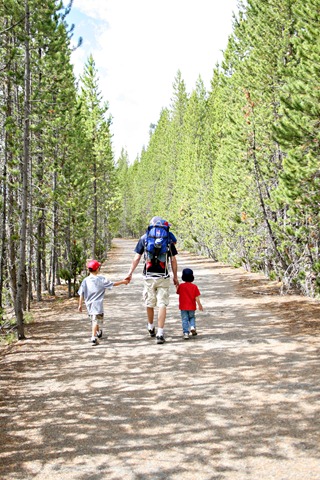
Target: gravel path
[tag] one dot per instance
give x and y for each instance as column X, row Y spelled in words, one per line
column 238, row 402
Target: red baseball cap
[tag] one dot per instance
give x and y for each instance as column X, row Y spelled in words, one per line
column 94, row 265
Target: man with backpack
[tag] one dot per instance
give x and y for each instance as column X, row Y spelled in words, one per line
column 157, row 246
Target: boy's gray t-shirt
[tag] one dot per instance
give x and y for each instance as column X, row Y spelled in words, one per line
column 92, row 288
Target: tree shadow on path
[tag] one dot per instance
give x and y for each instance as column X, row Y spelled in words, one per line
column 239, row 401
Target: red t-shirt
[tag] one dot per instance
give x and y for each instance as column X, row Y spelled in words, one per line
column 187, row 296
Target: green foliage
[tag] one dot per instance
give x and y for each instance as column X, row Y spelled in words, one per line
column 69, row 150
column 28, row 318
column 8, row 339
column 297, row 131
column 236, row 169
column 100, row 195
column 65, row 274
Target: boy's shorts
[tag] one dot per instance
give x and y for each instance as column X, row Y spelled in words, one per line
column 96, row 318
column 156, row 292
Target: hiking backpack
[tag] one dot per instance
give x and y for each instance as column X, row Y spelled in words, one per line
column 157, row 243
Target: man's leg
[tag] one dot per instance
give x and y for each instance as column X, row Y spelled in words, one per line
column 161, row 320
column 150, row 314
column 150, row 302
column 162, row 316
column 162, row 301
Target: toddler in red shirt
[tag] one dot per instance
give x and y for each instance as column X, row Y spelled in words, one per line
column 189, row 298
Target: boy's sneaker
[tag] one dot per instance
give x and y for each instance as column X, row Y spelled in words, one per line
column 193, row 331
column 186, row 336
column 160, row 339
column 99, row 333
column 152, row 332
column 94, row 342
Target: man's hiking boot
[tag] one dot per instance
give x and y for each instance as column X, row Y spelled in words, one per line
column 99, row 333
column 152, row 332
column 160, row 339
column 193, row 331
column 94, row 342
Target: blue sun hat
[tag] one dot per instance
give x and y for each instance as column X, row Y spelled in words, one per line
column 187, row 275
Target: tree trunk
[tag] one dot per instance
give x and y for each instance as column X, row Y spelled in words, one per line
column 11, row 239
column 3, row 230
column 21, row 285
column 31, row 247
column 38, row 262
column 4, row 195
column 40, row 240
column 43, row 253
column 259, row 180
column 95, row 209
column 5, row 183
column 53, row 263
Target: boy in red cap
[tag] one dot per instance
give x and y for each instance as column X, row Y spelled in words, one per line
column 92, row 291
column 189, row 299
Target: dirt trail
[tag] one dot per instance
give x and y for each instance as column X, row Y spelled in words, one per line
column 238, row 402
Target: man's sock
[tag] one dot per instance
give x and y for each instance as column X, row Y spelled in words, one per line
column 150, row 326
column 160, row 332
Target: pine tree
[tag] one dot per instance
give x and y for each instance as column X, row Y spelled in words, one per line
column 252, row 67
column 189, row 190
column 36, row 103
column 298, row 133
column 99, row 161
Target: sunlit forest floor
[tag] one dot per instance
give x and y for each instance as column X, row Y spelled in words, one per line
column 238, row 401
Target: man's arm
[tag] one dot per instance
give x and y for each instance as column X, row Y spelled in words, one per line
column 121, row 282
column 134, row 264
column 174, row 266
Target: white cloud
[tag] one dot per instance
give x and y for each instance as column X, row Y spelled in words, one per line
column 138, row 47
column 95, row 9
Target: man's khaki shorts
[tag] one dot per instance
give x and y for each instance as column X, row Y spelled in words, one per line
column 156, row 292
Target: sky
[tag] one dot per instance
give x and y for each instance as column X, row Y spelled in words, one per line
column 138, row 47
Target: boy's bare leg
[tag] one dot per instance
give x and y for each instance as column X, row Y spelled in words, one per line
column 95, row 329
